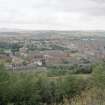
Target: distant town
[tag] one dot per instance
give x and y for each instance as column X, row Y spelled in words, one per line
column 27, row 50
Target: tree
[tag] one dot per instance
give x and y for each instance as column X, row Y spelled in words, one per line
column 99, row 75
column 4, row 77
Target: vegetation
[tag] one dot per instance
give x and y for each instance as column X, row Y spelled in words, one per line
column 57, row 70
column 42, row 89
column 14, row 47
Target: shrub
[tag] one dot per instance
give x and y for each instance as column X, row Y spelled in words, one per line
column 99, row 75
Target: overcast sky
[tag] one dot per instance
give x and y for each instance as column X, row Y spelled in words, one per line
column 53, row 14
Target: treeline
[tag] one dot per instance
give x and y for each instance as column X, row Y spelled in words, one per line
column 14, row 47
column 40, row 89
column 58, row 70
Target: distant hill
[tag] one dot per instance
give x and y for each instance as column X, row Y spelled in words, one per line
column 49, row 33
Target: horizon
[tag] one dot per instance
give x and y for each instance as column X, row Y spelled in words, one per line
column 19, row 29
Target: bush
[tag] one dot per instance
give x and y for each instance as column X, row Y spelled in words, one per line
column 4, row 77
column 73, row 86
column 99, row 75
column 37, row 89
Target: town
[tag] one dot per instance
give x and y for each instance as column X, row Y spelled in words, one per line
column 30, row 50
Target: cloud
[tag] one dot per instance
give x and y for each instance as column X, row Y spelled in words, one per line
column 53, row 14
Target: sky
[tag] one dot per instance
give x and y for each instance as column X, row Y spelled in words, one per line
column 53, row 14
